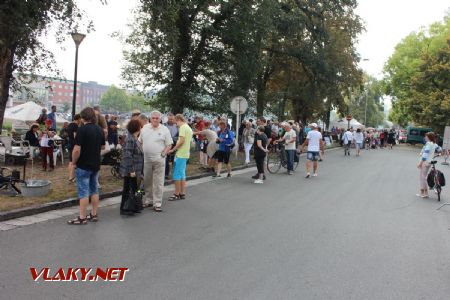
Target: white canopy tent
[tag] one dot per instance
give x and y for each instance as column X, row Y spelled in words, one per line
column 27, row 113
column 343, row 123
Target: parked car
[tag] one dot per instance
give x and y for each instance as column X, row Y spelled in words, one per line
column 402, row 136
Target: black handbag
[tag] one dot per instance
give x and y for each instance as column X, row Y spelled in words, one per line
column 130, row 202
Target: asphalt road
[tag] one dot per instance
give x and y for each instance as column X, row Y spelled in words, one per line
column 355, row 232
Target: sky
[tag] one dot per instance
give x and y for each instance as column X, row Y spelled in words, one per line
column 387, row 22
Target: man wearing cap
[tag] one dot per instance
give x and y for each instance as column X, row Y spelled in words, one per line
column 315, row 146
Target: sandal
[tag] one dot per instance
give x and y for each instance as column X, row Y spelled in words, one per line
column 92, row 218
column 77, row 221
column 174, row 197
column 157, row 209
column 182, row 196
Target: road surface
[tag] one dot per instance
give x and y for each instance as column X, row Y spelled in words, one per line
column 355, row 232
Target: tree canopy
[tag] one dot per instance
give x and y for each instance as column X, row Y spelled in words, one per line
column 22, row 23
column 204, row 52
column 417, row 76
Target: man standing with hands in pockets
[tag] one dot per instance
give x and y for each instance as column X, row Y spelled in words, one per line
column 156, row 143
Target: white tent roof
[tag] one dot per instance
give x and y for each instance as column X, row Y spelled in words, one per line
column 27, row 112
column 343, row 123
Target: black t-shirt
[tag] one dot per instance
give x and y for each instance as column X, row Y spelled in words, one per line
column 263, row 138
column 268, row 131
column 71, row 130
column 91, row 139
column 110, row 130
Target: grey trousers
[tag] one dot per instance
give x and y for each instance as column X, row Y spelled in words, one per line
column 154, row 170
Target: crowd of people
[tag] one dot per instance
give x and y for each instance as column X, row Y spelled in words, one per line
column 154, row 151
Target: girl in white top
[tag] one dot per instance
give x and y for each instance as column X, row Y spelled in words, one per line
column 426, row 155
column 358, row 137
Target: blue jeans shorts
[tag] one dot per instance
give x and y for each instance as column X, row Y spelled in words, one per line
column 179, row 169
column 86, row 183
column 313, row 155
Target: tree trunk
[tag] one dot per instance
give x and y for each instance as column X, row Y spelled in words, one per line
column 6, row 70
column 260, row 100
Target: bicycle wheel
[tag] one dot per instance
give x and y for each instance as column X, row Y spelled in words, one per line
column 438, row 191
column 273, row 162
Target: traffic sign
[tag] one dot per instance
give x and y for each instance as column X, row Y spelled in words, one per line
column 238, row 105
column 349, row 117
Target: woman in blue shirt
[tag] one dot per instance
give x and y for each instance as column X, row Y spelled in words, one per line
column 225, row 140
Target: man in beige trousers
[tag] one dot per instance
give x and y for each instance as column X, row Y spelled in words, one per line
column 156, row 143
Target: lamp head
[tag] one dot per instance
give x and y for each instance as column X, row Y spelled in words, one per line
column 77, row 37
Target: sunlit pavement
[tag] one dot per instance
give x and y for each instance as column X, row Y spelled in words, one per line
column 355, row 232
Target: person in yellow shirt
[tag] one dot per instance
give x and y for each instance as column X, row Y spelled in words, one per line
column 182, row 149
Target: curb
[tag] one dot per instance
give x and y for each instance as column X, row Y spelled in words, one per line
column 28, row 211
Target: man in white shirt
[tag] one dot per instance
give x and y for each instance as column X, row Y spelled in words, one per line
column 315, row 146
column 156, row 143
column 289, row 139
column 347, row 138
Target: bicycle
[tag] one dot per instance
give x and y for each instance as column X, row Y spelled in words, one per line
column 276, row 158
column 437, row 175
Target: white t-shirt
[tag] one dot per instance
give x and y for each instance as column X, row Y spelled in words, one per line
column 288, row 136
column 154, row 140
column 348, row 137
column 314, row 137
column 359, row 137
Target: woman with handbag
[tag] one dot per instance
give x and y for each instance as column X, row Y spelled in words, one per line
column 131, row 168
column 248, row 135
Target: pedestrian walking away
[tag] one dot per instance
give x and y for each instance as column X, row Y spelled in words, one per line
column 156, row 143
column 358, row 137
column 347, row 139
column 89, row 142
column 131, row 169
column 315, row 145
column 182, row 149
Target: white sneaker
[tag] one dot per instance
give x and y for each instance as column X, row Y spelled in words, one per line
column 259, row 181
column 315, row 175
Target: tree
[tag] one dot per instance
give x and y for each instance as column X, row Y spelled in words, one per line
column 365, row 103
column 21, row 25
column 417, row 77
column 115, row 100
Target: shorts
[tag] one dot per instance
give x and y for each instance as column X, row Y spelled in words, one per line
column 313, row 155
column 87, row 183
column 359, row 145
column 179, row 169
column 223, row 157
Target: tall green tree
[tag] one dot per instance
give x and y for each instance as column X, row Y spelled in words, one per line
column 417, row 77
column 115, row 99
column 22, row 23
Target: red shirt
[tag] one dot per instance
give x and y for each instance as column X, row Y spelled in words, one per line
column 199, row 127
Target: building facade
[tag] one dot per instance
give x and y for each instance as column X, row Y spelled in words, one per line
column 48, row 91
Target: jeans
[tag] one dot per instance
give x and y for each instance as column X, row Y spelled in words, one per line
column 248, row 147
column 290, row 159
column 86, row 183
column 47, row 151
column 260, row 163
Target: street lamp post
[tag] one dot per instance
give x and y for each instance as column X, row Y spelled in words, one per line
column 77, row 38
